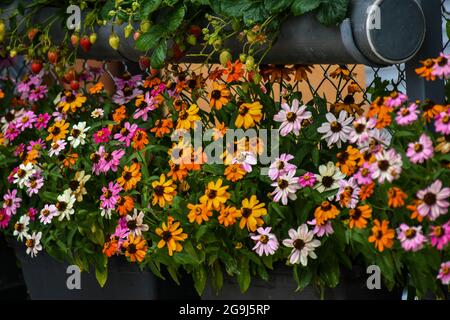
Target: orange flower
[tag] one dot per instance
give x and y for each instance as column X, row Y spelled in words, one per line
column 381, row 112
column 228, row 215
column 2, row 94
column 276, row 72
column 162, row 127
column 119, row 114
column 396, row 197
column 234, row 172
column 178, row 172
column 216, row 74
column 414, row 212
column 366, row 191
column 349, row 160
column 219, row 96
column 198, row 213
column 342, row 71
column 164, row 191
column 426, row 70
column 131, row 175
column 301, row 72
column 220, row 129
column 110, row 247
column 382, row 236
column 140, row 139
column 431, row 110
column 234, row 71
column 97, row 88
column 125, row 205
column 349, row 105
column 171, row 235
column 325, row 212
column 70, row 160
column 358, row 217
column 135, row 248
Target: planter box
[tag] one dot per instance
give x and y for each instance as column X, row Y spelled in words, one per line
column 282, row 286
column 46, row 278
column 12, row 285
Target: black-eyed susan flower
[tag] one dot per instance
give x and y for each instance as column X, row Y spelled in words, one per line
column 251, row 213
column 249, row 115
column 163, row 191
column 135, row 248
column 215, row 195
column 171, row 235
column 58, row 131
column 131, row 175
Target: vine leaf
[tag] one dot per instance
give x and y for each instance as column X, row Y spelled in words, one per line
column 159, row 55
column 332, row 12
column 300, row 7
column 148, row 7
column 149, row 39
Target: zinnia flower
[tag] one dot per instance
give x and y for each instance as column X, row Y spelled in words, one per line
column 4, row 219
column 442, row 123
column 11, row 202
column 48, row 213
column 78, row 134
column 440, row 235
column 249, row 115
column 21, row 228
column 382, row 236
column 291, row 118
column 110, row 195
column 407, row 115
column 171, row 235
column 320, row 230
column 125, row 135
column 411, row 238
column 388, row 166
column 219, row 96
column 336, row 130
column 164, row 191
column 215, row 195
column 441, row 68
column 228, row 215
column 58, row 131
column 56, row 148
column 135, row 223
column 33, row 244
column 246, row 160
column 359, row 216
column 251, row 214
column 65, row 205
column 303, row 245
column 135, row 248
column 266, row 242
column 198, row 213
column 420, row 151
column 328, row 177
column 286, row 187
column 281, row 166
column 131, row 175
column 434, row 200
column 444, row 273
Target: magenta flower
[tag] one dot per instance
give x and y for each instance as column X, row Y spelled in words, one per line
column 11, row 132
column 396, row 100
column 19, row 149
column 281, row 166
column 307, row 180
column 291, row 118
column 34, row 183
column 26, row 120
column 440, row 235
column 110, row 196
column 420, row 151
column 411, row 238
column 126, row 133
column 321, row 230
column 434, row 200
column 32, row 212
column 11, row 202
column 102, row 135
column 4, row 219
column 407, row 115
column 266, row 242
column 37, row 93
column 42, row 121
column 150, row 105
column 364, row 174
column 122, row 231
column 36, row 145
column 441, row 69
column 444, row 273
column 442, row 122
column 128, row 81
column 111, row 161
column 48, row 213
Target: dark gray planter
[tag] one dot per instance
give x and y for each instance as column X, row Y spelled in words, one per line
column 282, row 286
column 46, row 278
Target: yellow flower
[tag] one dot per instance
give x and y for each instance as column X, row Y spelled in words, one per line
column 131, row 175
column 228, row 215
column 215, row 195
column 71, row 102
column 164, row 191
column 251, row 213
column 135, row 248
column 58, row 131
column 198, row 213
column 249, row 115
column 171, row 236
column 187, row 118
column 219, row 96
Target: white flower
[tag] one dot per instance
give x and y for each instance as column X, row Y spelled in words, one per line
column 329, row 177
column 303, row 245
column 361, row 131
column 56, row 148
column 136, row 224
column 388, row 166
column 23, row 174
column 21, row 227
column 65, row 205
column 246, row 160
column 286, row 187
column 33, row 244
column 291, row 118
column 336, row 130
column 106, row 213
column 48, row 213
column 97, row 113
column 78, row 134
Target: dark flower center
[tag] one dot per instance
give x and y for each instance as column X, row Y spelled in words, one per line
column 349, row 99
column 283, row 184
column 61, row 205
column 132, row 225
column 216, row 94
column 132, row 248
column 56, row 131
column 383, row 165
column 18, row 227
column 336, row 127
column 212, row 194
column 356, row 214
column 183, row 115
column 359, row 128
column 299, row 244
column 327, row 181
column 418, row 147
column 243, row 110
column 166, row 235
column 291, row 116
column 430, row 199
column 246, row 212
column 75, row 133
column 410, row 233
column 159, row 190
column 264, row 239
column 438, row 231
column 73, row 185
column 342, row 157
column 127, row 175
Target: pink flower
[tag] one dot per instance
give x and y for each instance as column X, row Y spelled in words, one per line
column 36, row 145
column 434, row 200
column 246, row 160
column 126, row 133
column 411, row 238
column 128, row 81
column 388, row 166
column 26, row 120
column 121, row 232
column 32, row 212
column 291, row 118
column 444, row 273
column 56, row 148
column 420, row 151
column 442, row 122
column 11, row 132
column 361, row 130
column 266, row 242
column 42, row 121
column 102, row 135
column 441, row 69
column 307, row 180
column 125, row 95
column 11, row 202
column 281, row 166
column 321, row 230
column 48, row 213
column 111, row 161
column 407, row 115
column 150, row 105
column 440, row 235
column 364, row 174
column 348, row 186
column 286, row 188
column 37, row 93
column 4, row 219
column 396, row 100
column 110, row 196
column 34, row 183
column 19, row 149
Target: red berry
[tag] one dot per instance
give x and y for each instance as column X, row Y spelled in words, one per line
column 69, row 76
column 195, row 30
column 85, row 43
column 52, row 56
column 74, row 85
column 36, row 66
column 144, row 62
column 32, row 33
column 74, row 39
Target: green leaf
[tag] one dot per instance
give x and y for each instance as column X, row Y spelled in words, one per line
column 159, row 55
column 199, row 276
column 300, row 7
column 101, row 273
column 148, row 7
column 234, row 8
column 332, row 12
column 255, row 13
column 275, row 6
column 243, row 277
column 174, row 19
column 149, row 39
